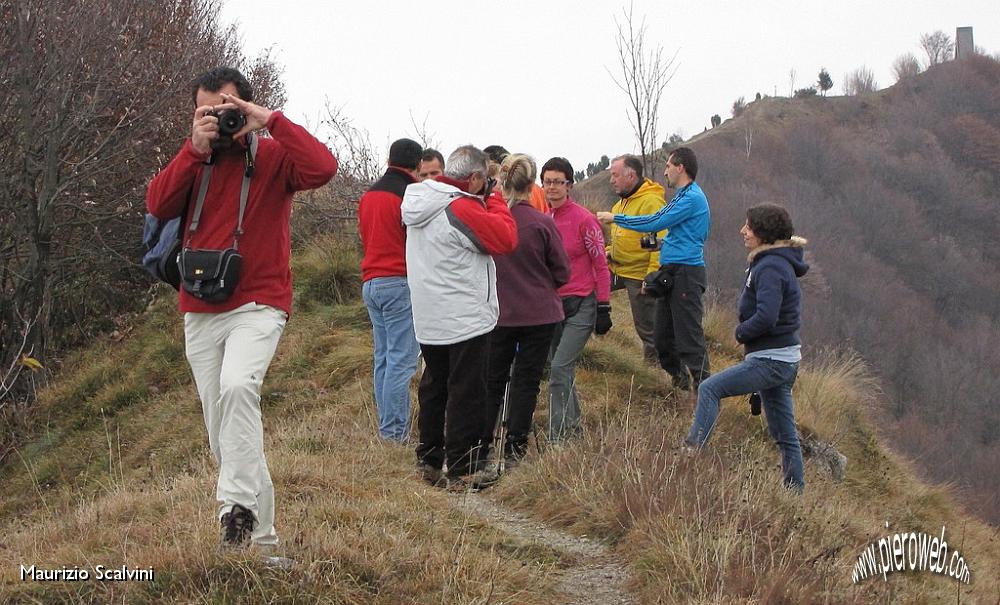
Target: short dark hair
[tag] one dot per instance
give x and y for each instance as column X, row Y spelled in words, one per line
column 684, row 156
column 770, row 223
column 558, row 165
column 405, row 153
column 214, row 79
column 431, row 154
column 496, row 153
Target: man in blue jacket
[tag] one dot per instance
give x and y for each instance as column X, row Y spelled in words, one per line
column 680, row 340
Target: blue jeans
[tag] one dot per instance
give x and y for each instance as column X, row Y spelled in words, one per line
column 396, row 350
column 773, row 380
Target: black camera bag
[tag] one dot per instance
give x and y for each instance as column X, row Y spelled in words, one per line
column 213, row 275
column 210, row 275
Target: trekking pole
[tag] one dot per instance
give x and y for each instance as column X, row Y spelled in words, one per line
column 500, row 433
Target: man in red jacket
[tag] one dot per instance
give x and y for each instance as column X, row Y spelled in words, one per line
column 229, row 344
column 385, row 292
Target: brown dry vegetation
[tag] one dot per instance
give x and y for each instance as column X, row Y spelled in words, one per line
column 897, row 193
column 116, row 470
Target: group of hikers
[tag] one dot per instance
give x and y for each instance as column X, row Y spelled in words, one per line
column 481, row 265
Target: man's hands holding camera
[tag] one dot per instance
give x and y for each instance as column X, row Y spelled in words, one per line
column 205, row 128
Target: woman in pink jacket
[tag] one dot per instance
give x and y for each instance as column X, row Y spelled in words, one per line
column 585, row 297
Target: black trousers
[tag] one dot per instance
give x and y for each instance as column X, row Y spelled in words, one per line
column 452, row 399
column 680, row 339
column 517, row 355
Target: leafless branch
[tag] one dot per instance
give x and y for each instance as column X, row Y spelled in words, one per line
column 644, row 76
column 353, row 146
column 426, row 138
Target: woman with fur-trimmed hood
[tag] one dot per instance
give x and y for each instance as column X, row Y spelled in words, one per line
column 770, row 312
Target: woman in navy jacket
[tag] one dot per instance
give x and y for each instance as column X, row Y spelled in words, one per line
column 770, row 315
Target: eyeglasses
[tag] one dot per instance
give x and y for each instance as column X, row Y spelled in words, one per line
column 554, row 183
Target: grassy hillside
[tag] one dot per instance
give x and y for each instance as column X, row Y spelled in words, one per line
column 116, row 470
column 897, row 192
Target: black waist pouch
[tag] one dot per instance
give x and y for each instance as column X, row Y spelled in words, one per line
column 210, row 275
column 659, row 283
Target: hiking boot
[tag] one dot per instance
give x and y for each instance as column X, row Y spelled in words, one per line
column 431, row 475
column 683, row 382
column 474, row 482
column 514, row 452
column 237, row 526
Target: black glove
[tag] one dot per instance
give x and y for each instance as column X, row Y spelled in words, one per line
column 603, row 323
column 755, row 404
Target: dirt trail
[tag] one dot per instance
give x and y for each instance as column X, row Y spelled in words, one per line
column 597, row 577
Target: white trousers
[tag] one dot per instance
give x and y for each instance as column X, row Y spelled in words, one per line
column 229, row 354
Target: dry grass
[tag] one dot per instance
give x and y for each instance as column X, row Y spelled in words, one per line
column 116, row 470
column 136, row 487
column 718, row 528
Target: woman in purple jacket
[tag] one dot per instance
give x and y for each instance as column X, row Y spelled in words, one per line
column 530, row 309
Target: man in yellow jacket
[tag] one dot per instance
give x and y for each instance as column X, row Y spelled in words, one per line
column 630, row 262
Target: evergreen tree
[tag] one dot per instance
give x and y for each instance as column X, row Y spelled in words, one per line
column 825, row 81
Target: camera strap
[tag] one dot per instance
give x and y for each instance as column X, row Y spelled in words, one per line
column 206, row 176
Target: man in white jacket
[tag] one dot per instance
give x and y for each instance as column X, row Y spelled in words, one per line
column 453, row 226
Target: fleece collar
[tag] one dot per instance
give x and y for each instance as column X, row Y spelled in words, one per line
column 794, row 242
column 462, row 185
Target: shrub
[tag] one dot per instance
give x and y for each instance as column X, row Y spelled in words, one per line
column 328, row 271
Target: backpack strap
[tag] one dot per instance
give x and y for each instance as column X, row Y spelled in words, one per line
column 206, row 175
column 248, row 163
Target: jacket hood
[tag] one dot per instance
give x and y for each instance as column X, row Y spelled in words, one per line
column 792, row 250
column 648, row 187
column 426, row 199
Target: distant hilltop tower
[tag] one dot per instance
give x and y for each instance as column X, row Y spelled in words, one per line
column 964, row 46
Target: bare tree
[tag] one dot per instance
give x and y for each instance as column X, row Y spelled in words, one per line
column 791, row 81
column 860, row 81
column 359, row 160
column 96, row 98
column 905, row 66
column 938, row 46
column 644, row 75
column 423, row 134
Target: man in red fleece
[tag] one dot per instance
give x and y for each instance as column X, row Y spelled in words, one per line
column 385, row 292
column 230, row 344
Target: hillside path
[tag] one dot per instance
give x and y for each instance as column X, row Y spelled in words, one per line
column 597, row 576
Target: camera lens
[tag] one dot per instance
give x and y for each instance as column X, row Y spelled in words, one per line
column 230, row 122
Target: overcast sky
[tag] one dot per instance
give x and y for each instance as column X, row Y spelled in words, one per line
column 533, row 76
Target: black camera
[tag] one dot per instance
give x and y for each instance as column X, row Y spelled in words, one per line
column 650, row 242
column 230, row 121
